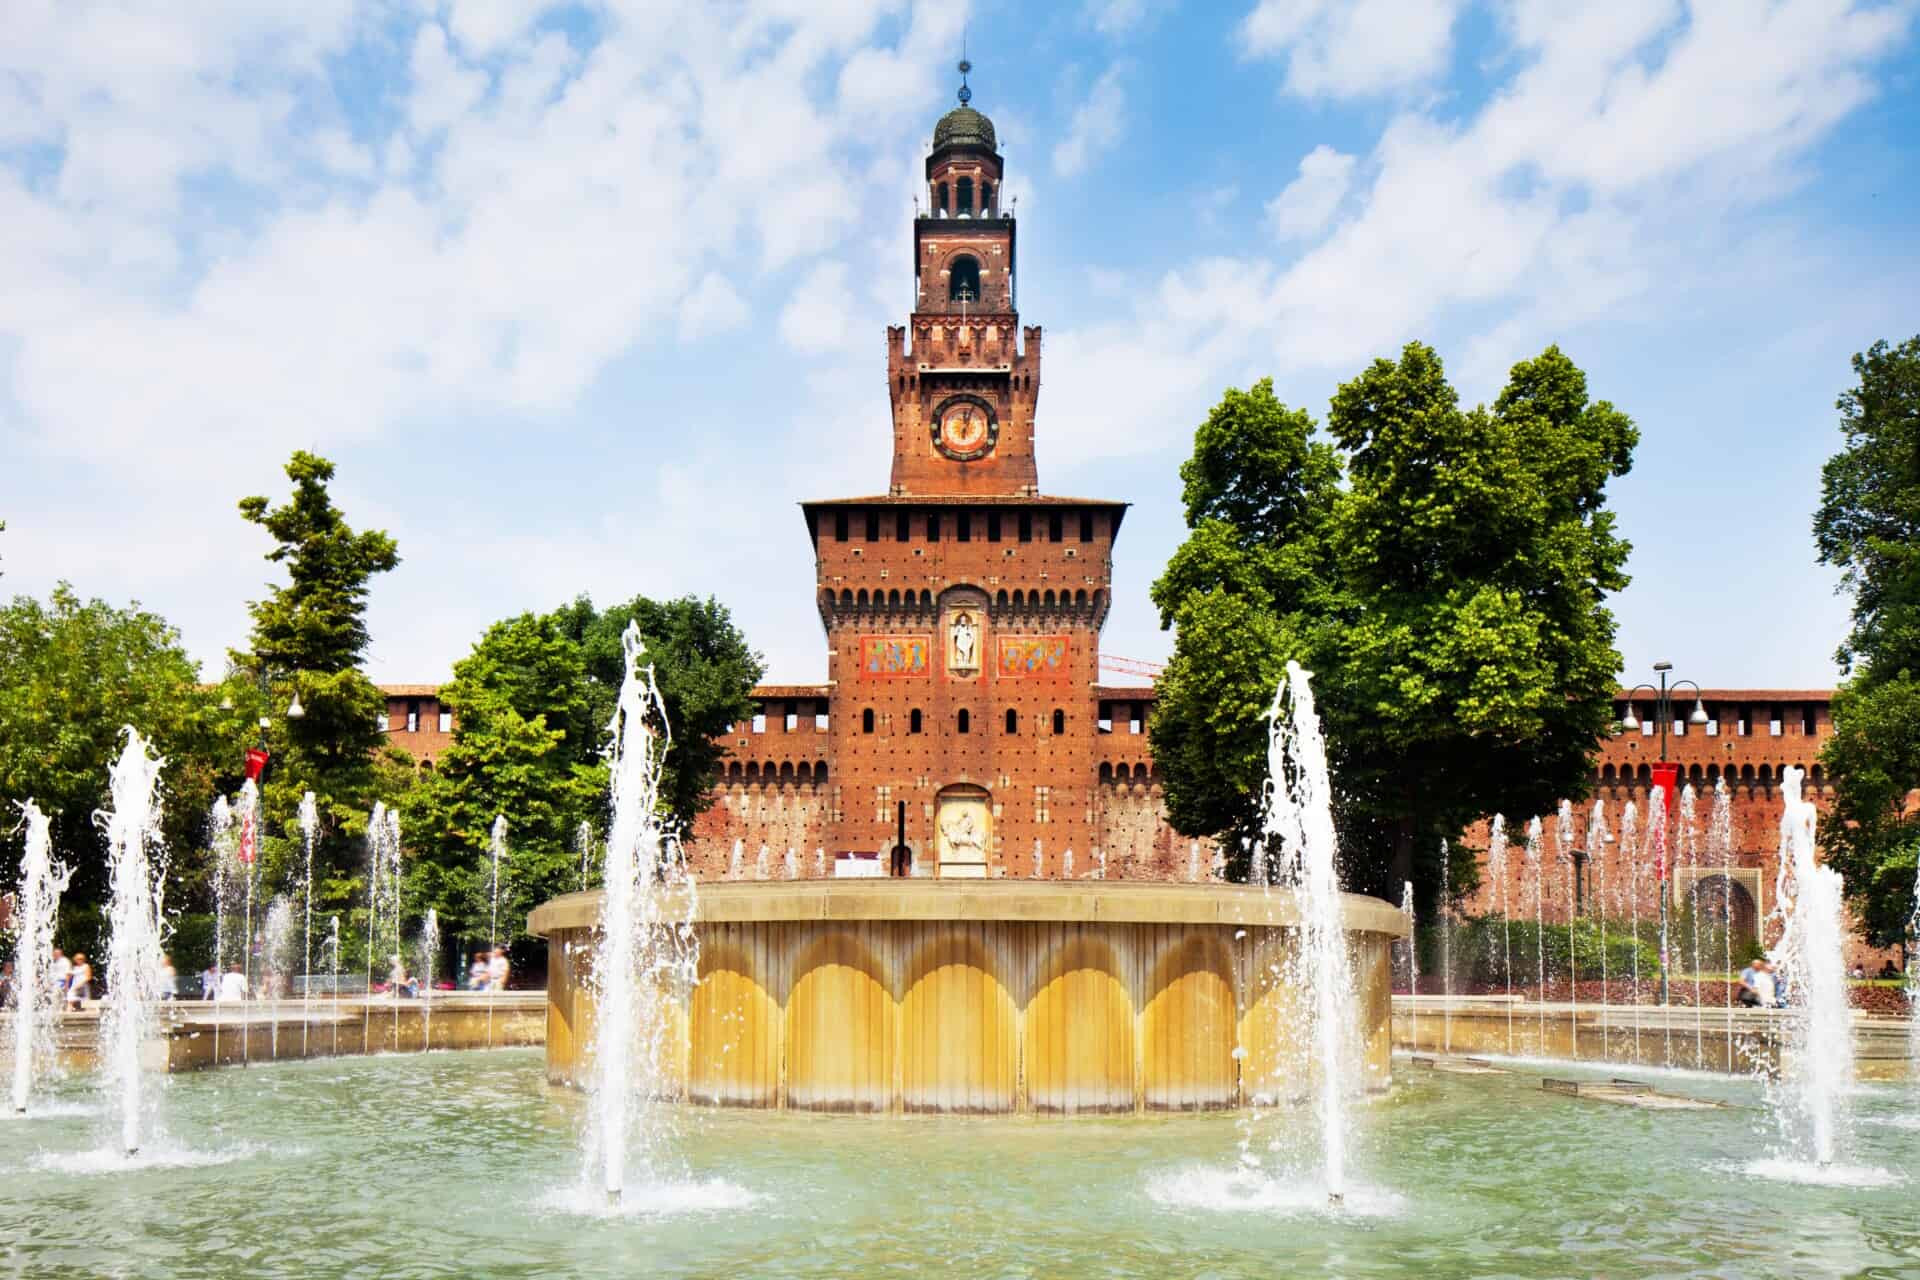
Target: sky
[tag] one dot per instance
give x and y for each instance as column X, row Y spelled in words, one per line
column 585, row 298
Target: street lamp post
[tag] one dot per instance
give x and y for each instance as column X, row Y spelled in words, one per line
column 1663, row 712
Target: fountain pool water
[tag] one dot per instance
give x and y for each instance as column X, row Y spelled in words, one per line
column 1487, row 1175
column 42, row 880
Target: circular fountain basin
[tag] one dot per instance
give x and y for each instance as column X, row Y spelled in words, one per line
column 983, row 997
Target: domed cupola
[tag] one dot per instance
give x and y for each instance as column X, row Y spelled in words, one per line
column 963, row 170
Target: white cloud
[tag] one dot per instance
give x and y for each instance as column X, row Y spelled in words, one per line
column 1308, row 202
column 1096, row 125
column 1349, row 48
column 1119, row 17
column 816, row 318
column 713, row 307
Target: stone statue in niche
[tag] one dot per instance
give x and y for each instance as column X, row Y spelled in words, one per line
column 963, row 643
column 964, row 840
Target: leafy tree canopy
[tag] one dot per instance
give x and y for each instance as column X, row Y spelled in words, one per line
column 1449, row 597
column 1868, row 525
column 310, row 637
column 73, row 674
column 532, row 703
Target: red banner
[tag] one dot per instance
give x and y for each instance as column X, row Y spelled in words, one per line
column 1664, row 777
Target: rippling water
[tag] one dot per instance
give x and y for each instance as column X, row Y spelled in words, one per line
column 466, row 1165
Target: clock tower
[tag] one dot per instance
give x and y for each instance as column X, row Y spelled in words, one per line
column 962, row 375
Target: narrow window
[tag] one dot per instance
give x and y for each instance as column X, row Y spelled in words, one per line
column 446, row 722
column 993, row 526
column 1026, row 526
column 839, row 526
column 1013, row 720
column 933, row 526
column 963, row 279
column 1679, row 726
column 413, row 717
column 900, row 523
column 1059, row 721
column 1105, row 721
column 1806, row 719
column 913, row 721
column 760, row 722
column 964, row 190
column 873, row 526
column 986, row 196
column 793, row 719
column 1086, row 526
column 965, row 722
column 963, row 526
column 1744, row 727
column 866, row 720
column 1774, row 727
column 940, row 196
column 1055, row 531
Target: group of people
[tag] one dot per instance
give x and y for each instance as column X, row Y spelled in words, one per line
column 489, row 970
column 70, row 979
column 1760, row 986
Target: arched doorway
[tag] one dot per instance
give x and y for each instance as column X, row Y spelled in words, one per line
column 963, row 832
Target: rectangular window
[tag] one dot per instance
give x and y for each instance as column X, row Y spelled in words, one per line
column 1056, row 530
column 933, row 526
column 793, row 720
column 900, row 522
column 413, row 722
column 1042, row 796
column 760, row 722
column 963, row 526
column 883, row 804
column 873, row 526
column 1105, row 722
column 1086, row 526
column 1679, row 726
column 993, row 526
column 1808, row 724
column 839, row 526
column 1743, row 727
column 1775, row 719
column 1026, row 526
column 1136, row 718
column 446, row 722
column 1648, row 726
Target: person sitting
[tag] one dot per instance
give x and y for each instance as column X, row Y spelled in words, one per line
column 477, row 972
column 1757, row 984
column 233, row 986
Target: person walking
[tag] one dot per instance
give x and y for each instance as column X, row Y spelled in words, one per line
column 59, row 973
column 1757, row 984
column 498, row 970
column 79, row 981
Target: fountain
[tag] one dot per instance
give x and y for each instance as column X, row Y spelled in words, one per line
column 1066, row 864
column 1720, row 847
column 1413, row 958
column 1532, row 863
column 333, row 972
column 429, row 951
column 1193, row 862
column 1446, row 950
column 1299, row 822
column 497, row 845
column 246, row 816
column 1039, row 859
column 1629, row 828
column 1563, row 851
column 761, row 865
column 1657, row 851
column 383, row 904
column 1596, row 849
column 309, row 828
column 1913, row 982
column 1497, row 868
column 792, row 864
column 137, row 871
column 42, row 880
column 1812, row 1108
column 276, row 948
column 583, row 841
column 819, row 864
column 735, row 869
column 220, row 847
column 646, row 950
column 1689, row 853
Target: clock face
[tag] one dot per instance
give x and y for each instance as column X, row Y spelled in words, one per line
column 964, row 427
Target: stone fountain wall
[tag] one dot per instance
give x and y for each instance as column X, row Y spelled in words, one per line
column 982, row 997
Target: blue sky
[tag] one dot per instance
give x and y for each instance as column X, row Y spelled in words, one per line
column 585, row 298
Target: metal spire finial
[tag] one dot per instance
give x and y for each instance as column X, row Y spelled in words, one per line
column 966, row 94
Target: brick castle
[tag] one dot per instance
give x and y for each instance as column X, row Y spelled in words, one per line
column 963, row 723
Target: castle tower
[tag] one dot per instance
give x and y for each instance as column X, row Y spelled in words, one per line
column 963, row 607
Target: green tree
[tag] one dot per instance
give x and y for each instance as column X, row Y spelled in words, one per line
column 532, row 703
column 73, row 675
column 1868, row 525
column 1449, row 600
column 310, row 637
